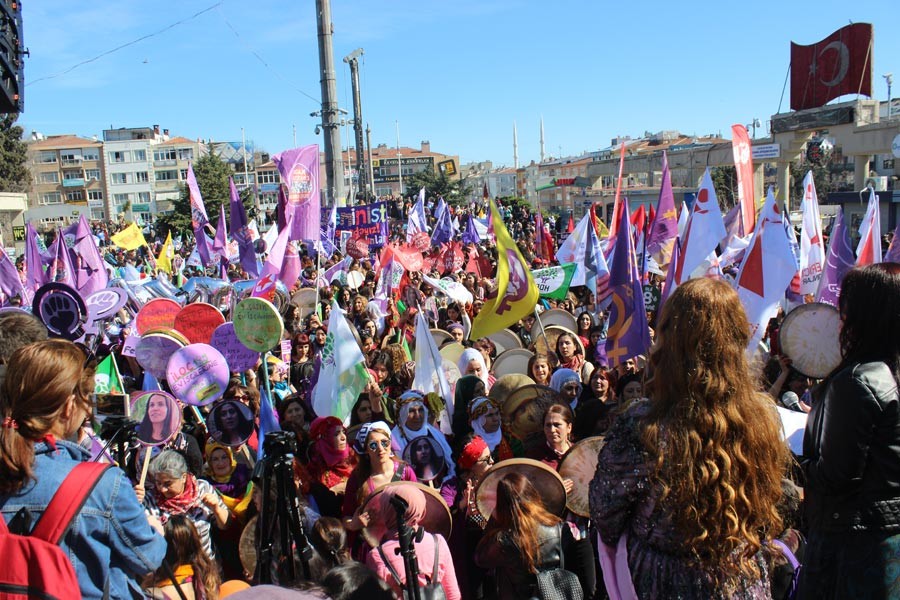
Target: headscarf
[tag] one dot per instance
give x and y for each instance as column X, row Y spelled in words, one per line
column 477, row 416
column 468, row 355
column 563, row 376
column 415, row 512
column 471, row 452
column 364, row 432
column 320, row 431
column 402, row 436
column 183, row 502
column 212, row 446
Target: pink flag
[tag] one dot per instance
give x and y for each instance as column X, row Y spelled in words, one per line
column 199, row 220
column 35, row 261
column 743, row 162
column 868, row 252
column 812, row 248
column 299, row 170
column 291, row 267
column 265, row 285
column 767, row 270
column 705, row 229
column 60, row 270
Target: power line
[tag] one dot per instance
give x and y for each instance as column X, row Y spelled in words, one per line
column 125, row 45
column 250, row 49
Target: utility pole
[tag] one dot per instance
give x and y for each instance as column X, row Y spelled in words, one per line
column 399, row 159
column 334, row 168
column 371, row 168
column 352, row 59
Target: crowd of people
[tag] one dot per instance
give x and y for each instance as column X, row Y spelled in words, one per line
column 696, row 493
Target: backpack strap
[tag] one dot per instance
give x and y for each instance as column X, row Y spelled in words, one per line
column 562, row 559
column 390, row 567
column 68, row 501
column 437, row 556
column 795, row 564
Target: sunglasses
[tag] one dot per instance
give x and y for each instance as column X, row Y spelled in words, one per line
column 373, row 446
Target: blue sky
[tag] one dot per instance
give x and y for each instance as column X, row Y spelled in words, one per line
column 455, row 73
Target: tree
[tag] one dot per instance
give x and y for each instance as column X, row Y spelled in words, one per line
column 725, row 182
column 14, row 175
column 212, row 175
column 436, row 184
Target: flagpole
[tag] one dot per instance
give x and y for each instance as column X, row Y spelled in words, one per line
column 399, row 161
column 541, row 325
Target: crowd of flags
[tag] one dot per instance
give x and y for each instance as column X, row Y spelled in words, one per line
column 613, row 263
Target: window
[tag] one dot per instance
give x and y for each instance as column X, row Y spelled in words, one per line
column 140, row 155
column 144, row 197
column 51, row 198
column 48, row 156
column 185, row 154
column 117, row 157
column 69, row 157
column 268, row 177
column 164, row 154
column 98, row 214
column 120, row 198
column 75, row 196
column 141, row 177
column 72, row 175
column 167, row 176
column 51, row 177
column 118, row 178
column 90, row 153
column 95, row 195
column 183, row 173
column 92, row 174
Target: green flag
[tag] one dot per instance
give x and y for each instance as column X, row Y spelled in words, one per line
column 553, row 282
column 107, row 379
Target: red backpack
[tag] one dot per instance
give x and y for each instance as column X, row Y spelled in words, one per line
column 34, row 566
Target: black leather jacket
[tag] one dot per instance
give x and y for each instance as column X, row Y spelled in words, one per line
column 496, row 551
column 852, row 452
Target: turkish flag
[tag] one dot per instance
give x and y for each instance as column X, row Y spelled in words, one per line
column 840, row 64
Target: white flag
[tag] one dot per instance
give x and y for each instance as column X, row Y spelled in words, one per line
column 342, row 372
column 430, row 376
column 812, row 249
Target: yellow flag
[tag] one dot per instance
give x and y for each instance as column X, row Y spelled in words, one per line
column 164, row 262
column 516, row 294
column 129, row 238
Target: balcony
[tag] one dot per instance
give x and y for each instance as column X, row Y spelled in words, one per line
column 169, row 162
column 72, row 183
column 71, row 162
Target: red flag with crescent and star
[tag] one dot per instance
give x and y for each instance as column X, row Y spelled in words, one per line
column 840, row 64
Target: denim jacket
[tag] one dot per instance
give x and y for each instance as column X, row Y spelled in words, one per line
column 111, row 544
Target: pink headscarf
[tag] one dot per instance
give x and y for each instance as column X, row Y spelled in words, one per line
column 321, row 431
column 414, row 513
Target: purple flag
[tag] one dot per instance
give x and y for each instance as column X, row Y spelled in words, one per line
column 265, row 285
column 670, row 285
column 60, row 270
column 35, row 275
column 291, row 266
column 87, row 264
column 664, row 228
column 10, row 284
column 893, row 251
column 629, row 334
column 838, row 261
column 199, row 220
column 240, row 231
column 299, row 170
column 470, row 234
column 220, row 243
column 443, row 229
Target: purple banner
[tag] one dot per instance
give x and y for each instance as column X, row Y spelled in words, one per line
column 369, row 220
column 299, row 170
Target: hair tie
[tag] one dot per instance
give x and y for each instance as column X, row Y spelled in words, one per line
column 10, row 423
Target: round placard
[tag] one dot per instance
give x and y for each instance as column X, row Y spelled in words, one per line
column 258, row 324
column 427, row 459
column 197, row 374
column 62, row 310
column 230, row 422
column 105, row 303
column 159, row 415
column 198, row 321
column 238, row 356
column 154, row 349
column 158, row 313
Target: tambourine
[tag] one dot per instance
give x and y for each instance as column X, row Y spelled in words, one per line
column 545, row 480
column 546, row 343
column 523, row 411
column 809, row 337
column 511, row 362
column 559, row 317
column 247, row 545
column 437, row 517
column 506, row 385
column 440, row 337
column 505, row 339
column 580, row 465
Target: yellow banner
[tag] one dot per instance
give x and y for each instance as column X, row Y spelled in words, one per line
column 516, row 294
column 129, row 238
column 164, row 262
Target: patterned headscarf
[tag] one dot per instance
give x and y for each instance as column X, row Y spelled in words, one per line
column 364, row 432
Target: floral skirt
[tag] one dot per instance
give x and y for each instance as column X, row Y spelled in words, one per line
column 851, row 565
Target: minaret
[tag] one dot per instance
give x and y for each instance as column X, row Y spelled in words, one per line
column 542, row 138
column 515, row 147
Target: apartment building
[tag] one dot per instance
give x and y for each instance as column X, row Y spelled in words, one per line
column 171, row 158
column 68, row 179
column 129, row 172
